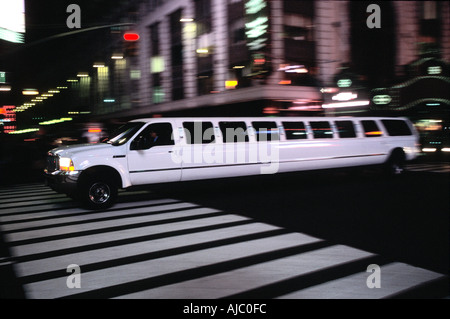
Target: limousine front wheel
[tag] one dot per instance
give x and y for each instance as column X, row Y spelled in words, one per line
column 98, row 193
column 395, row 165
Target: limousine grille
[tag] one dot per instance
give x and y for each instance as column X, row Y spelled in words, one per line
column 52, row 163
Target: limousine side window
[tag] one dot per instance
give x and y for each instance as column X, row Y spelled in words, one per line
column 345, row 129
column 156, row 134
column 396, row 127
column 371, row 128
column 295, row 130
column 233, row 132
column 321, row 129
column 199, row 132
column 266, row 131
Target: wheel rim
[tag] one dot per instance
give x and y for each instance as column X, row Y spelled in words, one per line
column 397, row 169
column 99, row 193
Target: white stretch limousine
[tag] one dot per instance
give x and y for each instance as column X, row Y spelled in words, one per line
column 160, row 150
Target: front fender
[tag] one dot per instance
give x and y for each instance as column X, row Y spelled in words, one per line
column 119, row 164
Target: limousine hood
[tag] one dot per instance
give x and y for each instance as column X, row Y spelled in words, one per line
column 84, row 149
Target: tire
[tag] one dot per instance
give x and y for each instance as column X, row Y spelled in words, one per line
column 395, row 166
column 98, row 193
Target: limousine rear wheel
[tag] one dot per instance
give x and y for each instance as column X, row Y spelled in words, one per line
column 98, row 193
column 395, row 166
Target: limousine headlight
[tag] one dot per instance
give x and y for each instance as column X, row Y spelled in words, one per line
column 66, row 164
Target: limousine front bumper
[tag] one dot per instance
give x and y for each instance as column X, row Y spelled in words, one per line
column 62, row 181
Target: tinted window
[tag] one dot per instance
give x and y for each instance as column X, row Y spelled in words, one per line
column 295, row 130
column 199, row 132
column 233, row 132
column 396, row 127
column 321, row 129
column 345, row 129
column 154, row 135
column 266, row 131
column 371, row 129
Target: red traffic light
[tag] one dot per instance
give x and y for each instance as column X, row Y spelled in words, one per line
column 131, row 36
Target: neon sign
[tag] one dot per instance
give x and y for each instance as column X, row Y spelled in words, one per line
column 434, row 70
column 344, row 83
column 382, row 99
column 257, row 27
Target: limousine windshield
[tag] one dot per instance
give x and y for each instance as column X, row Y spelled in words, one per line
column 124, row 133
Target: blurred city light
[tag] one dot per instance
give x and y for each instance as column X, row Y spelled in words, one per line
column 231, row 84
column 131, row 36
column 28, row 130
column 202, row 51
column 5, row 88
column 117, row 56
column 345, row 104
column 30, row 92
column 56, row 121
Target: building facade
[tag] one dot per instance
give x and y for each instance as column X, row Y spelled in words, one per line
column 267, row 57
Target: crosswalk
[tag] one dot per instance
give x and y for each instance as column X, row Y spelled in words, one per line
column 437, row 167
column 163, row 248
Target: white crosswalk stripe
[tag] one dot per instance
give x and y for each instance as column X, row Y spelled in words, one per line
column 165, row 248
column 429, row 167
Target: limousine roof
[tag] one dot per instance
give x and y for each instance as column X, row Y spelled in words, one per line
column 262, row 118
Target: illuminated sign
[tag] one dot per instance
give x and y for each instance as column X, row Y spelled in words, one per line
column 231, row 84
column 257, row 25
column 293, row 68
column 344, row 83
column 2, row 77
column 12, row 20
column 434, row 70
column 344, row 96
column 382, row 99
column 131, row 36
